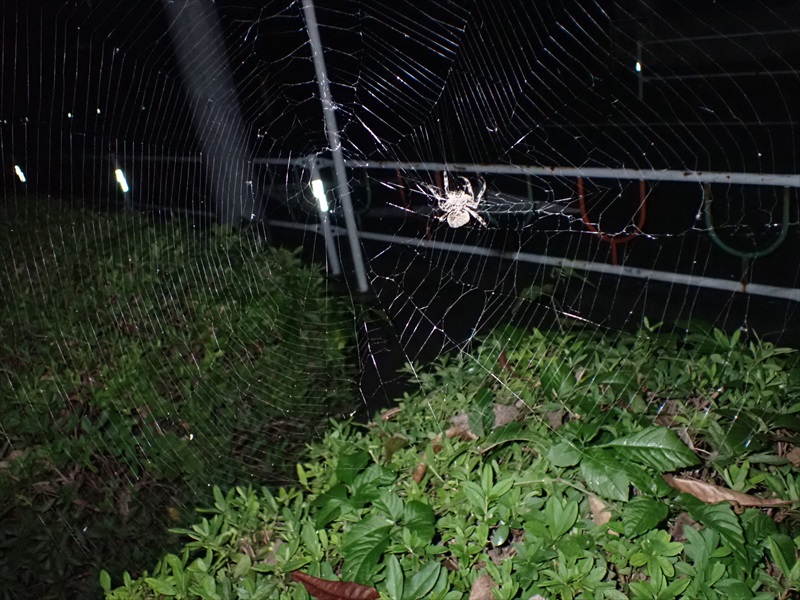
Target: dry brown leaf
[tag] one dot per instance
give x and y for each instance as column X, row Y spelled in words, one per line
column 460, row 428
column 714, row 494
column 482, row 588
column 682, row 521
column 390, row 414
column 600, row 513
column 503, row 415
column 323, row 589
column 419, row 472
column 793, row 456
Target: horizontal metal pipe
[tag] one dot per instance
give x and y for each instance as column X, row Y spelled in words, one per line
column 724, row 285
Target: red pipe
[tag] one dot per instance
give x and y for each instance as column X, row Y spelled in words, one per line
column 616, row 239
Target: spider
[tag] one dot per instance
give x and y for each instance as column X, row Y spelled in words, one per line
column 458, row 205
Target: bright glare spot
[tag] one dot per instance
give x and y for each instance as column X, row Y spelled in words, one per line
column 319, row 193
column 98, row 111
column 123, row 184
column 638, row 67
column 69, row 115
column 20, row 174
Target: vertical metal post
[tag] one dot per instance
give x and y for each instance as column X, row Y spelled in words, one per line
column 324, row 222
column 328, row 109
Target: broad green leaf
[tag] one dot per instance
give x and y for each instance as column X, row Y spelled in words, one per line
column 331, row 505
column 422, row 582
column 656, row 447
column 642, row 514
column 560, row 516
column 733, row 589
column 501, row 488
column 481, row 413
column 391, row 504
column 175, row 564
column 219, row 500
column 362, row 548
column 565, row 454
column 557, row 379
column 722, row 519
column 782, row 549
column 394, row 578
column 514, row 432
column 243, row 566
column 160, row 586
column 350, row 465
column 604, row 475
column 475, row 495
column 419, row 518
column 105, row 581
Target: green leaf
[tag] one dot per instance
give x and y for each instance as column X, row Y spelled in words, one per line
column 243, row 566
column 782, row 549
column 219, row 500
column 604, row 475
column 391, row 504
column 362, row 548
column 422, row 582
column 394, row 578
column 105, row 581
column 350, row 465
column 733, row 589
column 565, row 454
column 656, row 447
column 560, row 516
column 642, row 514
column 514, row 432
column 557, row 379
column 419, row 518
column 722, row 519
column 161, row 587
column 501, row 488
column 331, row 505
column 481, row 413
column 475, row 495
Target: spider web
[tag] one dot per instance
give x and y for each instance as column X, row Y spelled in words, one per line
column 571, row 114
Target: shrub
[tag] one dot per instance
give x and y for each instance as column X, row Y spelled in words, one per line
column 563, row 473
column 141, row 361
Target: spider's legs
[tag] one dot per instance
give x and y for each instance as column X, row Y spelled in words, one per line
column 446, row 183
column 479, row 197
column 477, row 216
column 468, row 186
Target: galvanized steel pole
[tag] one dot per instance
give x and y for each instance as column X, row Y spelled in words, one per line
column 329, row 110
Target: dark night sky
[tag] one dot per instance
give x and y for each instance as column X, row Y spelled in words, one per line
column 556, row 74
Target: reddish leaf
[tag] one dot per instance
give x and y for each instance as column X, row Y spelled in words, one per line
column 323, row 589
column 419, row 472
column 714, row 494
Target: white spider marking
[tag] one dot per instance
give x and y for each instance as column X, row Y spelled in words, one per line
column 458, row 205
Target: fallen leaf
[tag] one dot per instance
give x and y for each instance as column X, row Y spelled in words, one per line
column 682, row 521
column 323, row 589
column 793, row 456
column 600, row 513
column 482, row 588
column 714, row 494
column 555, row 418
column 419, row 472
column 390, row 414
